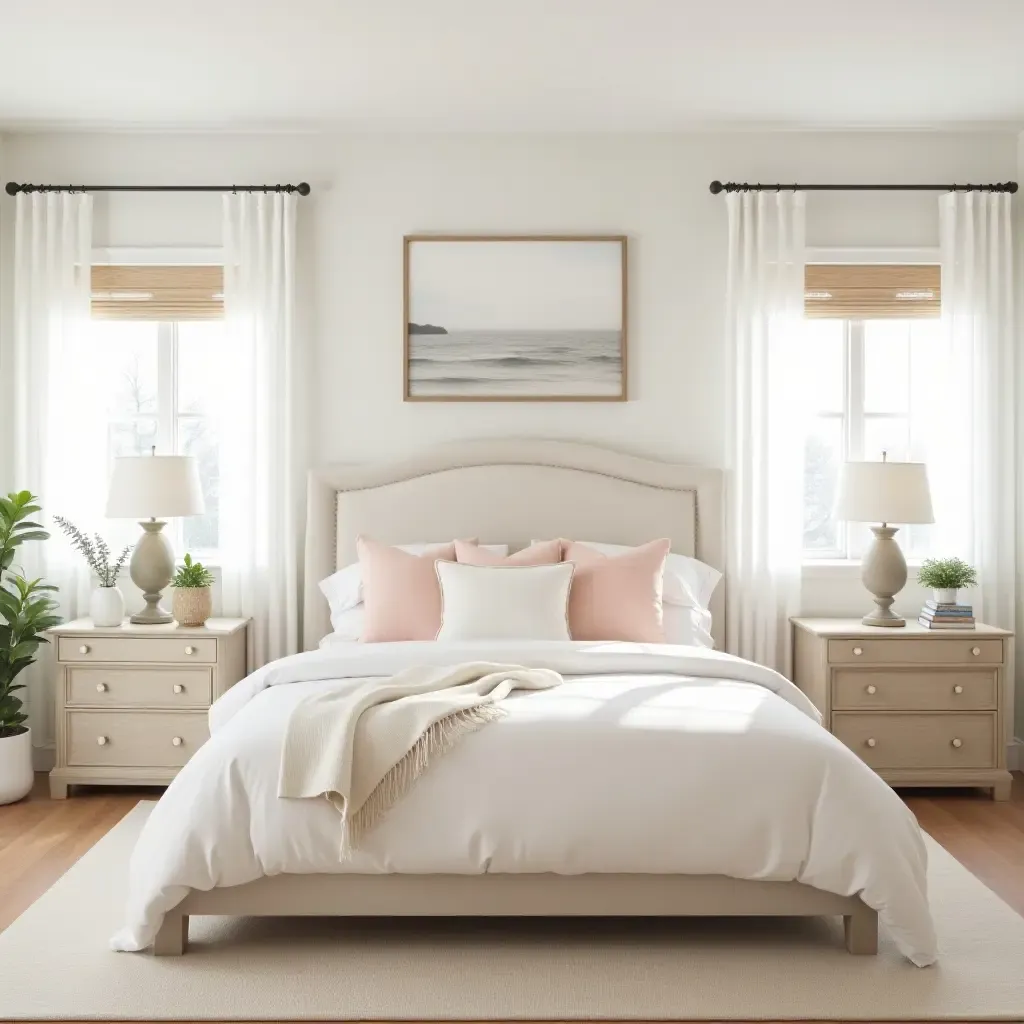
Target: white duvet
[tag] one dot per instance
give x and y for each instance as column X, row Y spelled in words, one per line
column 648, row 759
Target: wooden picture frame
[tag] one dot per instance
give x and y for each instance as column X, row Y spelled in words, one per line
column 542, row 355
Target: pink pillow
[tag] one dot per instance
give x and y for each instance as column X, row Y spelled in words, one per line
column 541, row 552
column 617, row 597
column 400, row 591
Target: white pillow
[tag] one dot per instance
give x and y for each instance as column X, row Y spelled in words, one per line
column 504, row 602
column 690, row 627
column 344, row 589
column 347, row 626
column 688, row 581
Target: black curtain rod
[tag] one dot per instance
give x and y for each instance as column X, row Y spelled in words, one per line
column 734, row 186
column 13, row 188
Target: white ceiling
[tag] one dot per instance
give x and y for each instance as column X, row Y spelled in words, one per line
column 511, row 64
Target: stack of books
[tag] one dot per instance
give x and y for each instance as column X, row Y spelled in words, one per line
column 946, row 616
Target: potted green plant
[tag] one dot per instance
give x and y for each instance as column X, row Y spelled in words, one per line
column 106, row 603
column 193, row 598
column 945, row 576
column 26, row 612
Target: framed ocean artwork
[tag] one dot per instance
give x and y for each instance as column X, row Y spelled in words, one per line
column 509, row 318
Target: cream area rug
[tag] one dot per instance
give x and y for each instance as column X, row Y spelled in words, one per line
column 56, row 963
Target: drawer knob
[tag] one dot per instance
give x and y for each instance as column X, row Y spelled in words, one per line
column 101, row 741
column 976, row 651
column 858, row 651
column 958, row 688
column 958, row 743
column 102, row 687
column 178, row 688
column 871, row 688
column 190, row 650
column 177, row 741
column 871, row 741
column 84, row 649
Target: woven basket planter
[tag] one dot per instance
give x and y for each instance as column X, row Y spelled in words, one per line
column 192, row 606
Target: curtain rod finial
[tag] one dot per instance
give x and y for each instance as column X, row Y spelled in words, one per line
column 1011, row 187
column 13, row 188
column 302, row 188
column 716, row 187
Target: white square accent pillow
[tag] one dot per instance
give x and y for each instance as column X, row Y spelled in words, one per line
column 504, row 602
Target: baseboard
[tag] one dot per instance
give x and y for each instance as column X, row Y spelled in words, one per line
column 43, row 758
column 1015, row 755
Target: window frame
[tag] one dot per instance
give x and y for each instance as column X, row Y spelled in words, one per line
column 167, row 415
column 848, row 555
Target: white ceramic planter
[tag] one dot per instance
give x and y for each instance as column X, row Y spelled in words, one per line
column 106, row 607
column 15, row 767
column 946, row 596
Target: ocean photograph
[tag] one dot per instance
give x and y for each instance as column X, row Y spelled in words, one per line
column 520, row 318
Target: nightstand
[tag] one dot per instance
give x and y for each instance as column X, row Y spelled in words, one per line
column 132, row 701
column 922, row 707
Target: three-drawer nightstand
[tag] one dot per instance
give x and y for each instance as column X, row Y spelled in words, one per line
column 922, row 707
column 132, row 701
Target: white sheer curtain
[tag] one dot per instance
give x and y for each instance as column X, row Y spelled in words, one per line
column 262, row 484
column 59, row 444
column 974, row 484
column 765, row 408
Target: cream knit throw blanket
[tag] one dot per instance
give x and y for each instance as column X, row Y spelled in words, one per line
column 364, row 742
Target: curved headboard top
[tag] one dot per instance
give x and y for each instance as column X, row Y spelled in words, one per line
column 509, row 491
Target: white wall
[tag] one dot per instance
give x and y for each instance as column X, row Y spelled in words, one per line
column 370, row 190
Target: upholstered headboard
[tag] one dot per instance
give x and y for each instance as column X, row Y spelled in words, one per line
column 510, row 492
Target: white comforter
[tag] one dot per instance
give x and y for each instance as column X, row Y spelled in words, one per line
column 649, row 759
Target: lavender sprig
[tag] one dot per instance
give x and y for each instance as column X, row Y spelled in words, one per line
column 96, row 552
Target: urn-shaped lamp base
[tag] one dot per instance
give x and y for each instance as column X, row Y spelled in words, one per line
column 152, row 569
column 884, row 573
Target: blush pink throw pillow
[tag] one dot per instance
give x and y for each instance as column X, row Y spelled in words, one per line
column 400, row 591
column 617, row 597
column 541, row 552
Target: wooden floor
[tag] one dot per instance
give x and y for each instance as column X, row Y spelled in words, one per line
column 41, row 838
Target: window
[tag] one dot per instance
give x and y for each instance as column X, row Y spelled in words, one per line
column 163, row 350
column 871, row 373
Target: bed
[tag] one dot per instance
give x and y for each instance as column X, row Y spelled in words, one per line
column 513, row 492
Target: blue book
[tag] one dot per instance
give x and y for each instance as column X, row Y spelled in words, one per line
column 949, row 609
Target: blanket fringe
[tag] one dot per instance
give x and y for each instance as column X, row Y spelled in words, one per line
column 435, row 742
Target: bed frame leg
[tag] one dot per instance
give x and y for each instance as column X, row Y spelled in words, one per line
column 172, row 939
column 861, row 928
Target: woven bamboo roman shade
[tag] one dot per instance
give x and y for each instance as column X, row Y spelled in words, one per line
column 876, row 291
column 157, row 292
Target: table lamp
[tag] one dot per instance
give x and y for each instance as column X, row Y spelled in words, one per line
column 145, row 487
column 884, row 492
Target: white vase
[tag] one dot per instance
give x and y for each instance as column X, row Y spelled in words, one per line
column 947, row 595
column 15, row 766
column 106, row 607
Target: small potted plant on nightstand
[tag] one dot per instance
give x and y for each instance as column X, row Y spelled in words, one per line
column 26, row 611
column 945, row 576
column 193, row 600
column 106, row 603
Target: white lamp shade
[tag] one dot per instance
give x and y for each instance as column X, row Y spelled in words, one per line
column 884, row 492
column 155, row 486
